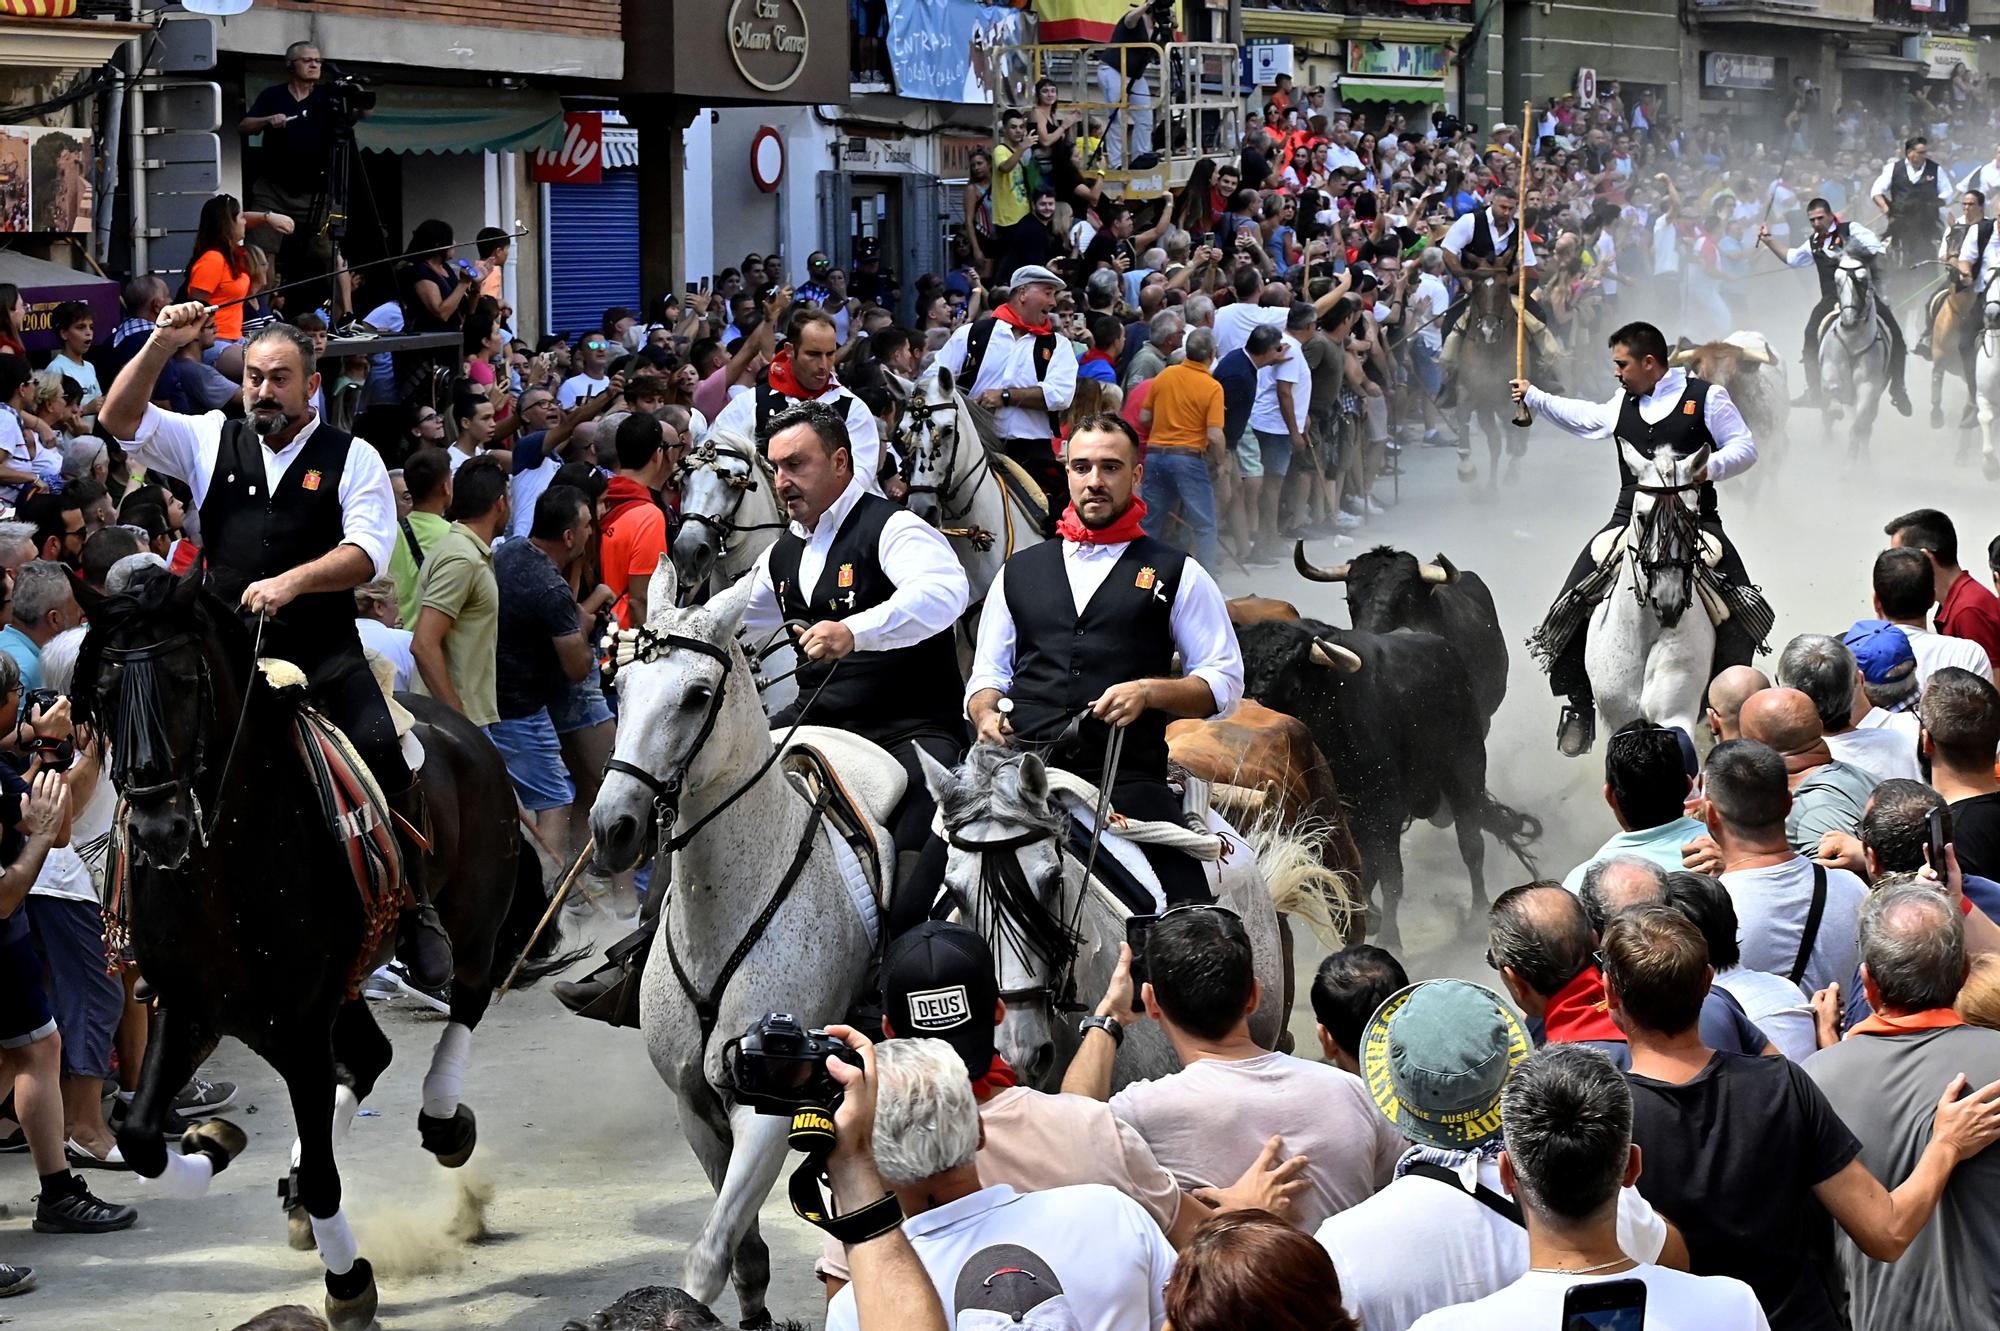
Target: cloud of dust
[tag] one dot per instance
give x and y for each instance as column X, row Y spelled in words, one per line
column 427, row 1237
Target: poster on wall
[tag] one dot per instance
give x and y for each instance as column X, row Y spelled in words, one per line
column 14, row 142
column 59, row 162
column 949, row 50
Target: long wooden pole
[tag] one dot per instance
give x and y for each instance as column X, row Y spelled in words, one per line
column 555, row 904
column 1522, row 416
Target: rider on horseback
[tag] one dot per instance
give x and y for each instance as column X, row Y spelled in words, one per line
column 803, row 372
column 1910, row 192
column 1658, row 406
column 1483, row 241
column 294, row 515
column 1964, row 244
column 1079, row 634
column 1831, row 241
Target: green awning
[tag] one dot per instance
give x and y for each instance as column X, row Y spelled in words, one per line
column 1392, row 90
column 462, row 120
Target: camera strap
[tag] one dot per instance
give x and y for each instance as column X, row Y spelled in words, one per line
column 812, row 1133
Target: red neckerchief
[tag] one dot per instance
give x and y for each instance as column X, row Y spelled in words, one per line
column 1070, row 527
column 1931, row 1019
column 1007, row 314
column 782, row 380
column 997, row 1079
column 1579, row 1012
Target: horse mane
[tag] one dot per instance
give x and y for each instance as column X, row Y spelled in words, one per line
column 987, row 787
column 148, row 598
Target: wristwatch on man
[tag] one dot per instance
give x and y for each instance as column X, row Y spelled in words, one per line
column 1109, row 1025
column 1006, row 397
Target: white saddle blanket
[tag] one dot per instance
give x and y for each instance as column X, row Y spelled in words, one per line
column 1613, row 542
column 870, row 772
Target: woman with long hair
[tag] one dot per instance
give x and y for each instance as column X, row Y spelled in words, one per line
column 439, row 292
column 1048, row 124
column 218, row 269
column 1196, row 210
column 1251, row 1269
column 13, row 315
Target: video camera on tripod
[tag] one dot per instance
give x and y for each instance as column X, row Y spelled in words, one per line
column 347, row 96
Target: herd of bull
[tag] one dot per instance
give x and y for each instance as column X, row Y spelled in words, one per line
column 1373, row 727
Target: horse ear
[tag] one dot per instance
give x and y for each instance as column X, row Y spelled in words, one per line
column 187, row 589
column 944, row 379
column 729, row 605
column 663, row 594
column 938, row 779
column 1034, row 779
column 1634, row 459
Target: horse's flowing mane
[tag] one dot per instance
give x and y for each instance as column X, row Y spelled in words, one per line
column 988, row 788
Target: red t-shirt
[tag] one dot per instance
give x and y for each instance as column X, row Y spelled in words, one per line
column 1970, row 611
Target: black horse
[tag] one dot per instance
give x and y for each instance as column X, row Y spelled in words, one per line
column 242, row 909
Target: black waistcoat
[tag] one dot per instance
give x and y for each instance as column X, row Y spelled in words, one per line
column 250, row 532
column 1482, row 244
column 884, row 696
column 1685, row 427
column 1063, row 660
column 1826, row 255
column 1924, row 188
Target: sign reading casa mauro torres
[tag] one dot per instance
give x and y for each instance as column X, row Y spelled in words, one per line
column 770, row 41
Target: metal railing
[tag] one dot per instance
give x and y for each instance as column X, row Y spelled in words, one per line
column 1142, row 138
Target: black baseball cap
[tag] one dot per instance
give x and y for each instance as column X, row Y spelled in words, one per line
column 938, row 981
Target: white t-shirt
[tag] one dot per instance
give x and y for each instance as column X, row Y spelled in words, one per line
column 578, row 387
column 1289, row 375
column 1776, row 1007
column 393, row 645
column 1107, row 1254
column 1771, row 909
column 1935, row 651
column 1883, row 754
column 1420, row 1244
column 1235, row 323
column 1208, row 1122
column 1675, row 1301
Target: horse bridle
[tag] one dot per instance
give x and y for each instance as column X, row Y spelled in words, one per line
column 709, row 458
column 920, row 421
column 1058, row 994
column 145, row 655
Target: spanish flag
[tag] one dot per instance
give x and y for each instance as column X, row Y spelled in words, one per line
column 1079, row 20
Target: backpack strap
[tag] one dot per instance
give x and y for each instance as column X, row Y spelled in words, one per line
column 1813, row 917
column 976, row 343
column 410, row 535
column 1504, row 1207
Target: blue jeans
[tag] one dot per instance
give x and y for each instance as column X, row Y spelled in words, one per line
column 1184, row 476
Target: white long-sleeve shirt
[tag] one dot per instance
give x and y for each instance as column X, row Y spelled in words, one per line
column 1199, row 624
column 1910, row 173
column 187, row 447
column 1461, row 233
column 931, row 591
column 1860, row 240
column 1735, row 449
column 739, row 418
column 1985, row 178
column 1981, row 260
column 1010, row 363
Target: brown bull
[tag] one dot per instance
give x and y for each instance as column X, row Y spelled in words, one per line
column 1745, row 364
column 1260, row 750
column 1257, row 609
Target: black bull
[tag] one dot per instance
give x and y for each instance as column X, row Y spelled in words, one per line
column 1395, row 716
column 1387, row 589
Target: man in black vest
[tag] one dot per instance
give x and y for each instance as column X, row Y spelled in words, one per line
column 1488, row 239
column 803, row 372
column 1656, row 405
column 1968, row 253
column 1830, row 241
column 1910, row 191
column 294, row 515
column 1088, row 626
column 880, row 591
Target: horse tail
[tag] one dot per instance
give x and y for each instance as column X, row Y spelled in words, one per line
column 524, row 912
column 1513, row 829
column 1325, row 900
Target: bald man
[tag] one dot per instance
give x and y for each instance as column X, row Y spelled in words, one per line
column 1726, row 693
column 1827, row 796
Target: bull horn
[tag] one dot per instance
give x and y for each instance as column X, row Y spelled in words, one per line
column 1442, row 574
column 1759, row 355
column 1334, row 657
column 1681, row 359
column 1313, row 572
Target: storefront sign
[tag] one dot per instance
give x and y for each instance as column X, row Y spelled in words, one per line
column 949, row 50
column 1398, row 60
column 581, row 160
column 865, row 153
column 954, row 154
column 1746, row 73
column 769, row 40
column 1941, row 55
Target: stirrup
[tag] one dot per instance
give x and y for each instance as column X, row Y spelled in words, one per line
column 1576, row 730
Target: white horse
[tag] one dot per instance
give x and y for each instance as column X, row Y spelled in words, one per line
column 1651, row 639
column 1986, row 388
column 1055, row 942
column 729, row 510
column 1854, row 354
column 957, row 486
column 758, row 871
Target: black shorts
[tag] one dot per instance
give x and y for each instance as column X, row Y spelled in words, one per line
column 25, row 1014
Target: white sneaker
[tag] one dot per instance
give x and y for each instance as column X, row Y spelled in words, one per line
column 1340, row 542
column 399, row 976
column 382, row 984
column 1372, row 508
column 1347, row 521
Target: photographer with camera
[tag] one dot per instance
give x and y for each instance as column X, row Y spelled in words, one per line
column 1121, row 73
column 295, row 122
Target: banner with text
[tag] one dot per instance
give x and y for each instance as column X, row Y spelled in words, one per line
column 947, row 50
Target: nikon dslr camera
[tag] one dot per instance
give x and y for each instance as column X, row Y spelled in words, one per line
column 779, row 1067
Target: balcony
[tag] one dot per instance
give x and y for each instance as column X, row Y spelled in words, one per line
column 1922, row 13
column 868, row 54
column 1855, row 14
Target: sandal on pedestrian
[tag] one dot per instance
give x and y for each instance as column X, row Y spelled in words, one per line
column 82, row 1157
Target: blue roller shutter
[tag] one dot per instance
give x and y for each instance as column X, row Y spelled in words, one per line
column 593, row 250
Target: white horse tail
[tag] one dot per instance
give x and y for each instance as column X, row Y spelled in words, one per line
column 1325, row 900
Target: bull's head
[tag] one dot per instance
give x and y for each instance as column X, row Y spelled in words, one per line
column 1334, row 657
column 1387, row 589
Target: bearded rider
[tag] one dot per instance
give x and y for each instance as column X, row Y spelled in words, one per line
column 1484, row 241
column 294, row 515
column 802, row 371
column 1657, row 405
column 1085, row 628
column 1828, row 243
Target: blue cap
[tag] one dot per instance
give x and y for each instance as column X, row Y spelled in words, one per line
column 1881, row 649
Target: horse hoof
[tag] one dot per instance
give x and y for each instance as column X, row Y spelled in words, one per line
column 299, row 1230
column 452, row 1139
column 350, row 1298
column 218, row 1139
column 759, row 1322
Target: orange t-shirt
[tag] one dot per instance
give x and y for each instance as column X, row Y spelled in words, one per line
column 210, row 276
column 633, row 541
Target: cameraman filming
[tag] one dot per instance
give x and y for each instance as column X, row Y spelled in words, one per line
column 289, row 166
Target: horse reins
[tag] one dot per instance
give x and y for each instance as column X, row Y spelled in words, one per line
column 708, row 458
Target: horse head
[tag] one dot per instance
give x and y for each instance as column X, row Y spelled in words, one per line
column 160, row 666
column 1664, row 539
column 928, row 438
column 1854, row 285
column 1989, row 300
column 688, row 716
column 1005, row 872
column 1491, row 310
column 713, row 479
